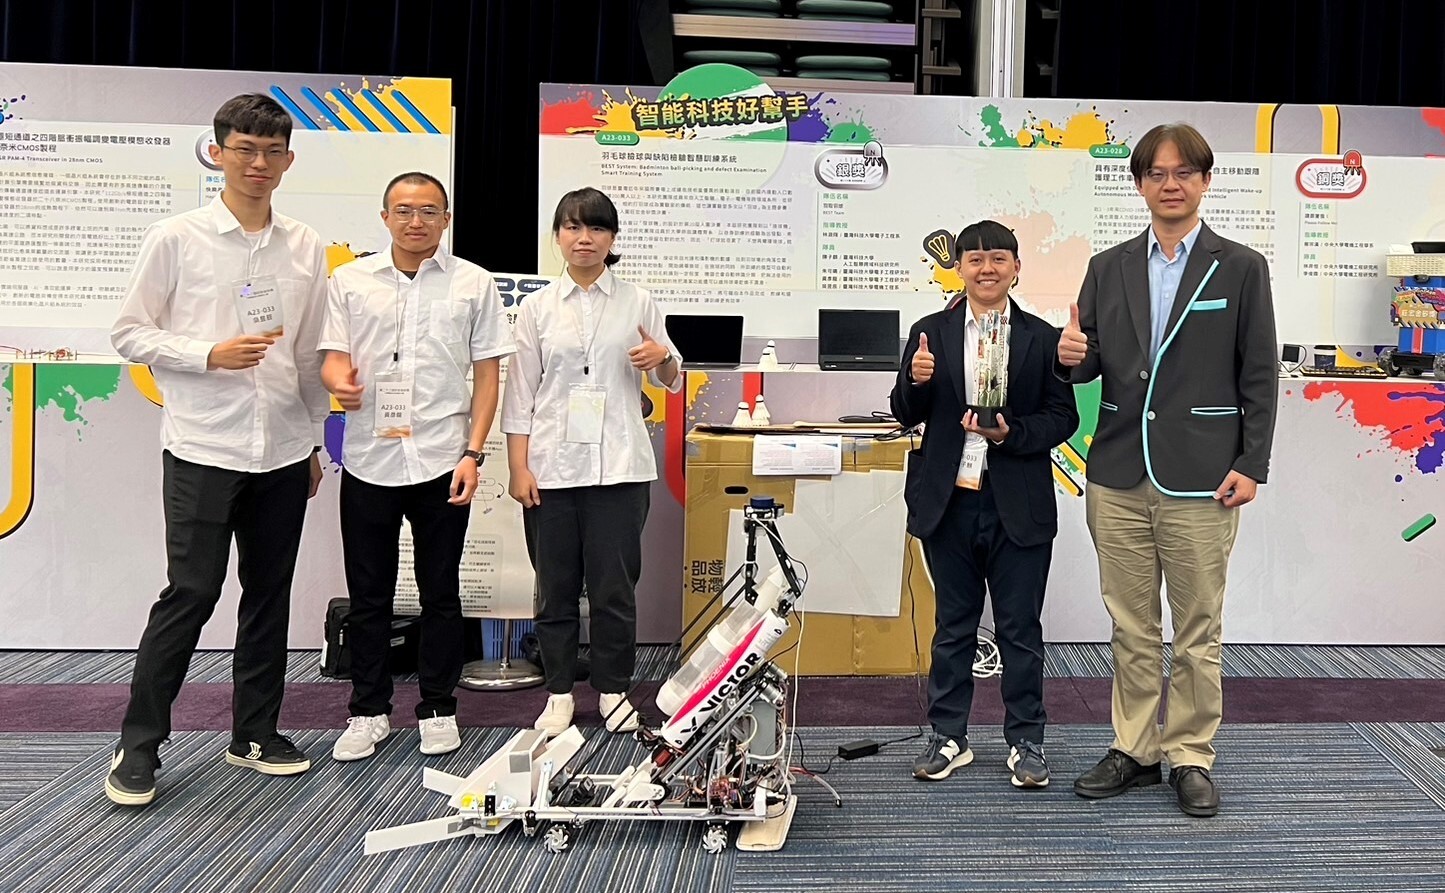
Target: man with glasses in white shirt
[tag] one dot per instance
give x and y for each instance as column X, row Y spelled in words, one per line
column 1179, row 324
column 225, row 305
column 403, row 329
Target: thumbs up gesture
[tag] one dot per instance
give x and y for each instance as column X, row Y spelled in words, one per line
column 921, row 369
column 347, row 391
column 1073, row 345
column 649, row 354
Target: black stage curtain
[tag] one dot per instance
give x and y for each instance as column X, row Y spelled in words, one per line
column 495, row 52
column 1354, row 52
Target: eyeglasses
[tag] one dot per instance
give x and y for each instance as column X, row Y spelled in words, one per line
column 428, row 214
column 248, row 153
column 1182, row 174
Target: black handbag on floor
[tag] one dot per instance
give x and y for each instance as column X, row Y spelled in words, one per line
column 336, row 644
column 335, row 647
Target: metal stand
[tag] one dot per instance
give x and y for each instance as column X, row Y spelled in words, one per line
column 504, row 674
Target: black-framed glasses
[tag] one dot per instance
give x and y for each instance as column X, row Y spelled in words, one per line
column 1182, row 174
column 429, row 214
column 249, row 154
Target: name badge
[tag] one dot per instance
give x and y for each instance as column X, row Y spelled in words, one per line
column 258, row 303
column 970, row 467
column 393, row 404
column 585, row 407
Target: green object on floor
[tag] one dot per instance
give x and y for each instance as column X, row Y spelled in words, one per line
column 732, row 57
column 842, row 74
column 846, row 7
column 735, row 13
column 853, row 63
column 714, row 5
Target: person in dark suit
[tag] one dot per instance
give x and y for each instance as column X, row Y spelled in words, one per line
column 981, row 500
column 1179, row 324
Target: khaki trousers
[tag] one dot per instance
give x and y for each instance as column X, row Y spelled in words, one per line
column 1142, row 537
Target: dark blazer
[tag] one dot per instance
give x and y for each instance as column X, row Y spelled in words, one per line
column 1041, row 414
column 1207, row 403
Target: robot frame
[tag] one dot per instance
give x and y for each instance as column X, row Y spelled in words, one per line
column 723, row 758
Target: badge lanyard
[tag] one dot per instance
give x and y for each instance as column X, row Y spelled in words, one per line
column 586, row 404
column 258, row 299
column 587, row 343
column 394, row 390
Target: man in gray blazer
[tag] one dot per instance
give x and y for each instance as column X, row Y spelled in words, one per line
column 1179, row 322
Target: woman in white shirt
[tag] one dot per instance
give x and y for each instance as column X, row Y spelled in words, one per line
column 580, row 455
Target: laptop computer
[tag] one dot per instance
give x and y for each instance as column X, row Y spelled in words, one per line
column 707, row 341
column 858, row 340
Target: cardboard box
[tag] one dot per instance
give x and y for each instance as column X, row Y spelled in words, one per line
column 719, row 479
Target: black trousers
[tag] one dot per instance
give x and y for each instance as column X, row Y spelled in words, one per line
column 370, row 528
column 588, row 536
column 204, row 508
column 969, row 554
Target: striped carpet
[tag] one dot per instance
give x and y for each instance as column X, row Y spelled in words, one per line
column 1319, row 808
column 655, row 662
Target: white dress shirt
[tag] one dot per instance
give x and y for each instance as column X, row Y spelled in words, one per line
column 179, row 305
column 553, row 330
column 450, row 316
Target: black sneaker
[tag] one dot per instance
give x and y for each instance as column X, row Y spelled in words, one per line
column 132, row 779
column 1116, row 773
column 940, row 757
column 1030, row 769
column 275, row 756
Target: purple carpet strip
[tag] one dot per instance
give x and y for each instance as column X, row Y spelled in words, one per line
column 824, row 701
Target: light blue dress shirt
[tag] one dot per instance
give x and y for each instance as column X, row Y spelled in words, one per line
column 1164, row 276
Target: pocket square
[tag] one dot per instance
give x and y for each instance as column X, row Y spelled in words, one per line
column 1215, row 304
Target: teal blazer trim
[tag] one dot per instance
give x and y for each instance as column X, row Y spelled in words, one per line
column 1214, row 410
column 1194, row 303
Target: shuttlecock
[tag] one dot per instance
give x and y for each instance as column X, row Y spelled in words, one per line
column 769, row 359
column 760, row 413
column 743, row 419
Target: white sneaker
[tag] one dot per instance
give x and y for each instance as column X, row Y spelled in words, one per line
column 557, row 716
column 619, row 715
column 360, row 738
column 439, row 735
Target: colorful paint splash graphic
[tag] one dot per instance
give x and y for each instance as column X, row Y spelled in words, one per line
column 1082, row 130
column 585, row 115
column 68, row 388
column 1435, row 118
column 1410, row 420
column 7, row 107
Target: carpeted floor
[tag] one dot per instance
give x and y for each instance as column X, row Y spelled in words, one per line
column 1318, row 808
column 1327, row 766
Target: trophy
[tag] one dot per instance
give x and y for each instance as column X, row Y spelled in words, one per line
column 991, row 369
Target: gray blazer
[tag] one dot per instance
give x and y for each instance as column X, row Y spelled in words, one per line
column 1207, row 403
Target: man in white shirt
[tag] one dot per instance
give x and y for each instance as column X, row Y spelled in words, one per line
column 402, row 330
column 224, row 305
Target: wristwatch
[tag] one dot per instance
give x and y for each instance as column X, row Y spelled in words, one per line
column 474, row 455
